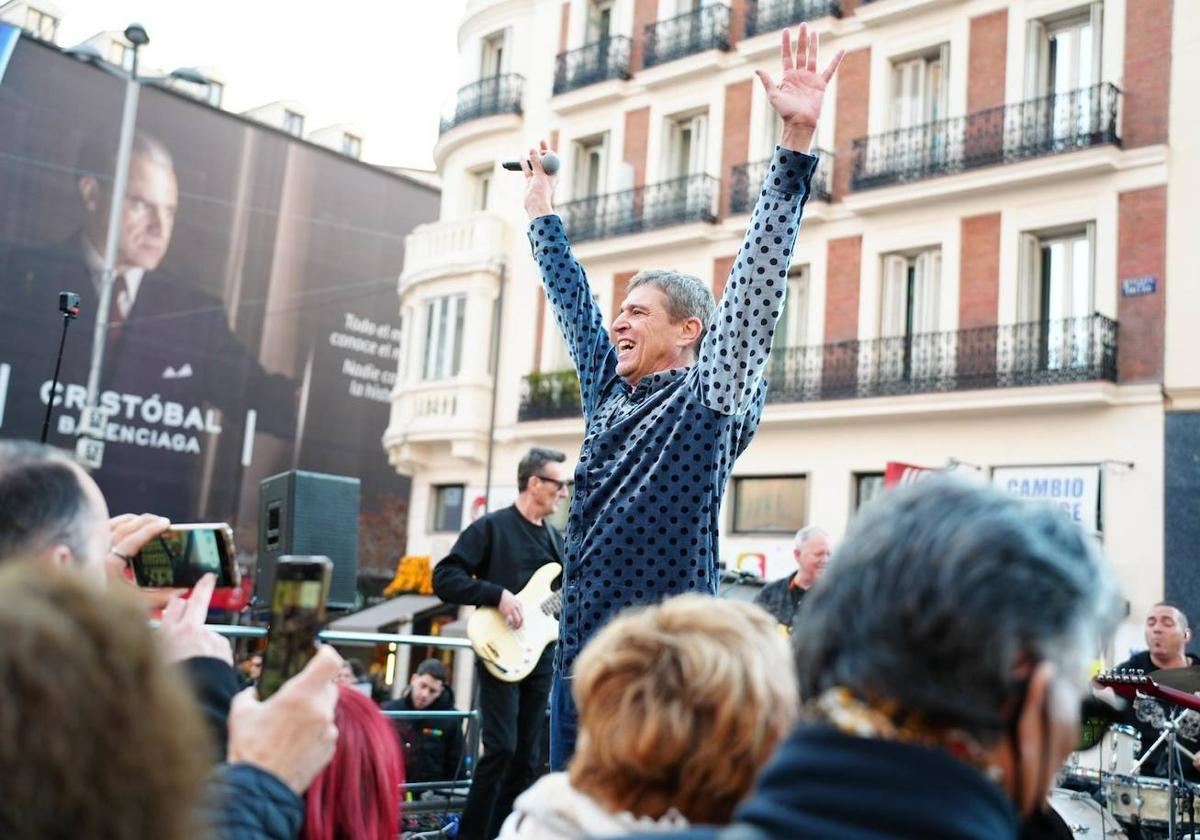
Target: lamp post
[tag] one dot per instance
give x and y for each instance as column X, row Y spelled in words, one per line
column 89, row 449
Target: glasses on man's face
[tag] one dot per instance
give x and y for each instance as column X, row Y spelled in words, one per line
column 558, row 485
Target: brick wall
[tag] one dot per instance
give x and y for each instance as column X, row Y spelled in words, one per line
column 1141, row 251
column 986, row 61
column 844, row 266
column 1146, row 79
column 721, row 268
column 736, row 137
column 737, row 20
column 563, row 27
column 979, row 274
column 853, row 92
column 645, row 12
column 637, row 133
column 541, row 328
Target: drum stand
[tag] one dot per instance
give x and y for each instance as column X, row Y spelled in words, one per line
column 1175, row 778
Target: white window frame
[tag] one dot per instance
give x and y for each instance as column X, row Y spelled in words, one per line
column 595, row 11
column 674, row 163
column 914, row 73
column 584, row 151
column 1037, row 47
column 445, row 324
column 493, row 54
column 351, row 145
column 1060, row 345
column 481, row 188
column 293, row 122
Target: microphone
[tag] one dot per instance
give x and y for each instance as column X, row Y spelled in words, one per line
column 550, row 163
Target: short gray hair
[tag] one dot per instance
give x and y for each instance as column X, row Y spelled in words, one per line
column 807, row 533
column 42, row 501
column 687, row 296
column 942, row 591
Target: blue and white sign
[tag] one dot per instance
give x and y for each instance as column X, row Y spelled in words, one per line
column 1073, row 490
column 1138, row 286
column 9, row 35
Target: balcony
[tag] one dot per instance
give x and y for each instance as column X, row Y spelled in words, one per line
column 486, row 98
column 1006, row 356
column 747, row 182
column 452, row 247
column 773, row 15
column 550, row 396
column 707, row 28
column 606, row 59
column 1050, row 125
column 428, row 416
column 674, row 202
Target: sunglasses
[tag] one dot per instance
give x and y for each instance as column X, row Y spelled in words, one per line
column 558, row 485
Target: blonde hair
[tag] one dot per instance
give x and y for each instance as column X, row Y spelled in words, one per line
column 680, row 705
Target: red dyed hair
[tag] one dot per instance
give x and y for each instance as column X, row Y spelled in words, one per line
column 358, row 794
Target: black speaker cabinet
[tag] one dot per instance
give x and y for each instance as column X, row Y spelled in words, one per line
column 309, row 513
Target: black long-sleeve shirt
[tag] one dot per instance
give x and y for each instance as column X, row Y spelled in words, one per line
column 499, row 551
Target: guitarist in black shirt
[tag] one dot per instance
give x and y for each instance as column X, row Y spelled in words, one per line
column 494, row 558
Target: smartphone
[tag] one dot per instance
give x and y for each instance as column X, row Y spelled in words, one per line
column 297, row 616
column 182, row 554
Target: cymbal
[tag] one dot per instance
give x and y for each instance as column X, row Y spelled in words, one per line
column 1183, row 679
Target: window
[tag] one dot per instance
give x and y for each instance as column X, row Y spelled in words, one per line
column 479, row 189
column 352, row 145
column 867, row 486
column 770, row 504
column 908, row 317
column 792, row 329
column 492, row 60
column 599, row 22
column 215, row 94
column 1056, row 291
column 919, row 88
column 590, row 161
column 443, row 337
column 446, row 508
column 293, row 123
column 1062, row 72
column 41, row 24
column 685, row 147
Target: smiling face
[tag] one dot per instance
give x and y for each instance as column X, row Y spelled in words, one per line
column 646, row 339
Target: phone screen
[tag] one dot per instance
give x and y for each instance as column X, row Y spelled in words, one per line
column 297, row 616
column 181, row 555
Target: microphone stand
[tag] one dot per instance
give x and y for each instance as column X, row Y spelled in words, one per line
column 70, row 310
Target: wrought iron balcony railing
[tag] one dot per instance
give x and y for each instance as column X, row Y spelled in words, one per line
column 1006, row 356
column 605, row 59
column 747, row 180
column 548, row 396
column 1049, row 125
column 707, row 28
column 674, row 202
column 486, row 98
column 772, row 15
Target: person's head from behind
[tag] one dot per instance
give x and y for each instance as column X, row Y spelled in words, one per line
column 542, row 479
column 51, row 511
column 680, row 705
column 811, row 553
column 428, row 683
column 358, row 794
column 967, row 616
column 97, row 739
column 1167, row 631
column 660, row 323
column 151, row 198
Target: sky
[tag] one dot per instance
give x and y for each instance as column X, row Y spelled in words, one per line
column 389, row 67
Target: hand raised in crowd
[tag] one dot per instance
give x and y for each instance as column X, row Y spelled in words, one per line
column 130, row 533
column 182, row 633
column 798, row 96
column 292, row 733
column 539, row 186
column 510, row 608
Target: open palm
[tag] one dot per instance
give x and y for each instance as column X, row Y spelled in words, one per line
column 798, row 96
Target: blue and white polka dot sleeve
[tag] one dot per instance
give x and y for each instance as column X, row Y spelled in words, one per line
column 734, row 352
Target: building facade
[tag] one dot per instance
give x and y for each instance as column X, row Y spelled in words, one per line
column 980, row 280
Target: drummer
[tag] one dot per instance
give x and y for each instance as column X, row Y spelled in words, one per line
column 1167, row 635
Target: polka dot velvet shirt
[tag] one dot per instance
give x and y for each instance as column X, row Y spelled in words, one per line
column 656, row 458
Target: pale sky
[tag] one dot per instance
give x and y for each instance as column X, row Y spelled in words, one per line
column 387, row 66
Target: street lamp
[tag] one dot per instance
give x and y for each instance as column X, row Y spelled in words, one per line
column 90, row 448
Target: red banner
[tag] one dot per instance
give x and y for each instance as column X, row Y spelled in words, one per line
column 899, row 474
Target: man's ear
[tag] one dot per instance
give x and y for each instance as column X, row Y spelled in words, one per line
column 1032, row 720
column 690, row 331
column 89, row 193
column 58, row 557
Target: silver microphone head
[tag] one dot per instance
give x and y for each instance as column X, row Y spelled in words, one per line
column 550, row 163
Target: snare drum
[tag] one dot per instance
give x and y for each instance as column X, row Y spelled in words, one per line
column 1116, row 753
column 1084, row 817
column 1146, row 800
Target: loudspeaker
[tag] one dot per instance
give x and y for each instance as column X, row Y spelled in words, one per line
column 309, row 513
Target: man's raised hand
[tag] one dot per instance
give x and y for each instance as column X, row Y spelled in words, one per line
column 539, row 187
column 798, row 95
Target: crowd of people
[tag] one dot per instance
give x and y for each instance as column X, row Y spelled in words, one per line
column 929, row 683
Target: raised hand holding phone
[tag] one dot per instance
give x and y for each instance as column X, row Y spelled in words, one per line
column 297, row 616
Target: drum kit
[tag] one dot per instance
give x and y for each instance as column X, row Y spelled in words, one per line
column 1102, row 791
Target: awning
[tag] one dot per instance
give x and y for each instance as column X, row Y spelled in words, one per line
column 402, row 608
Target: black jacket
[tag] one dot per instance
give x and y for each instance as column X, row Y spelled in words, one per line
column 433, row 747
column 824, row 784
column 246, row 803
